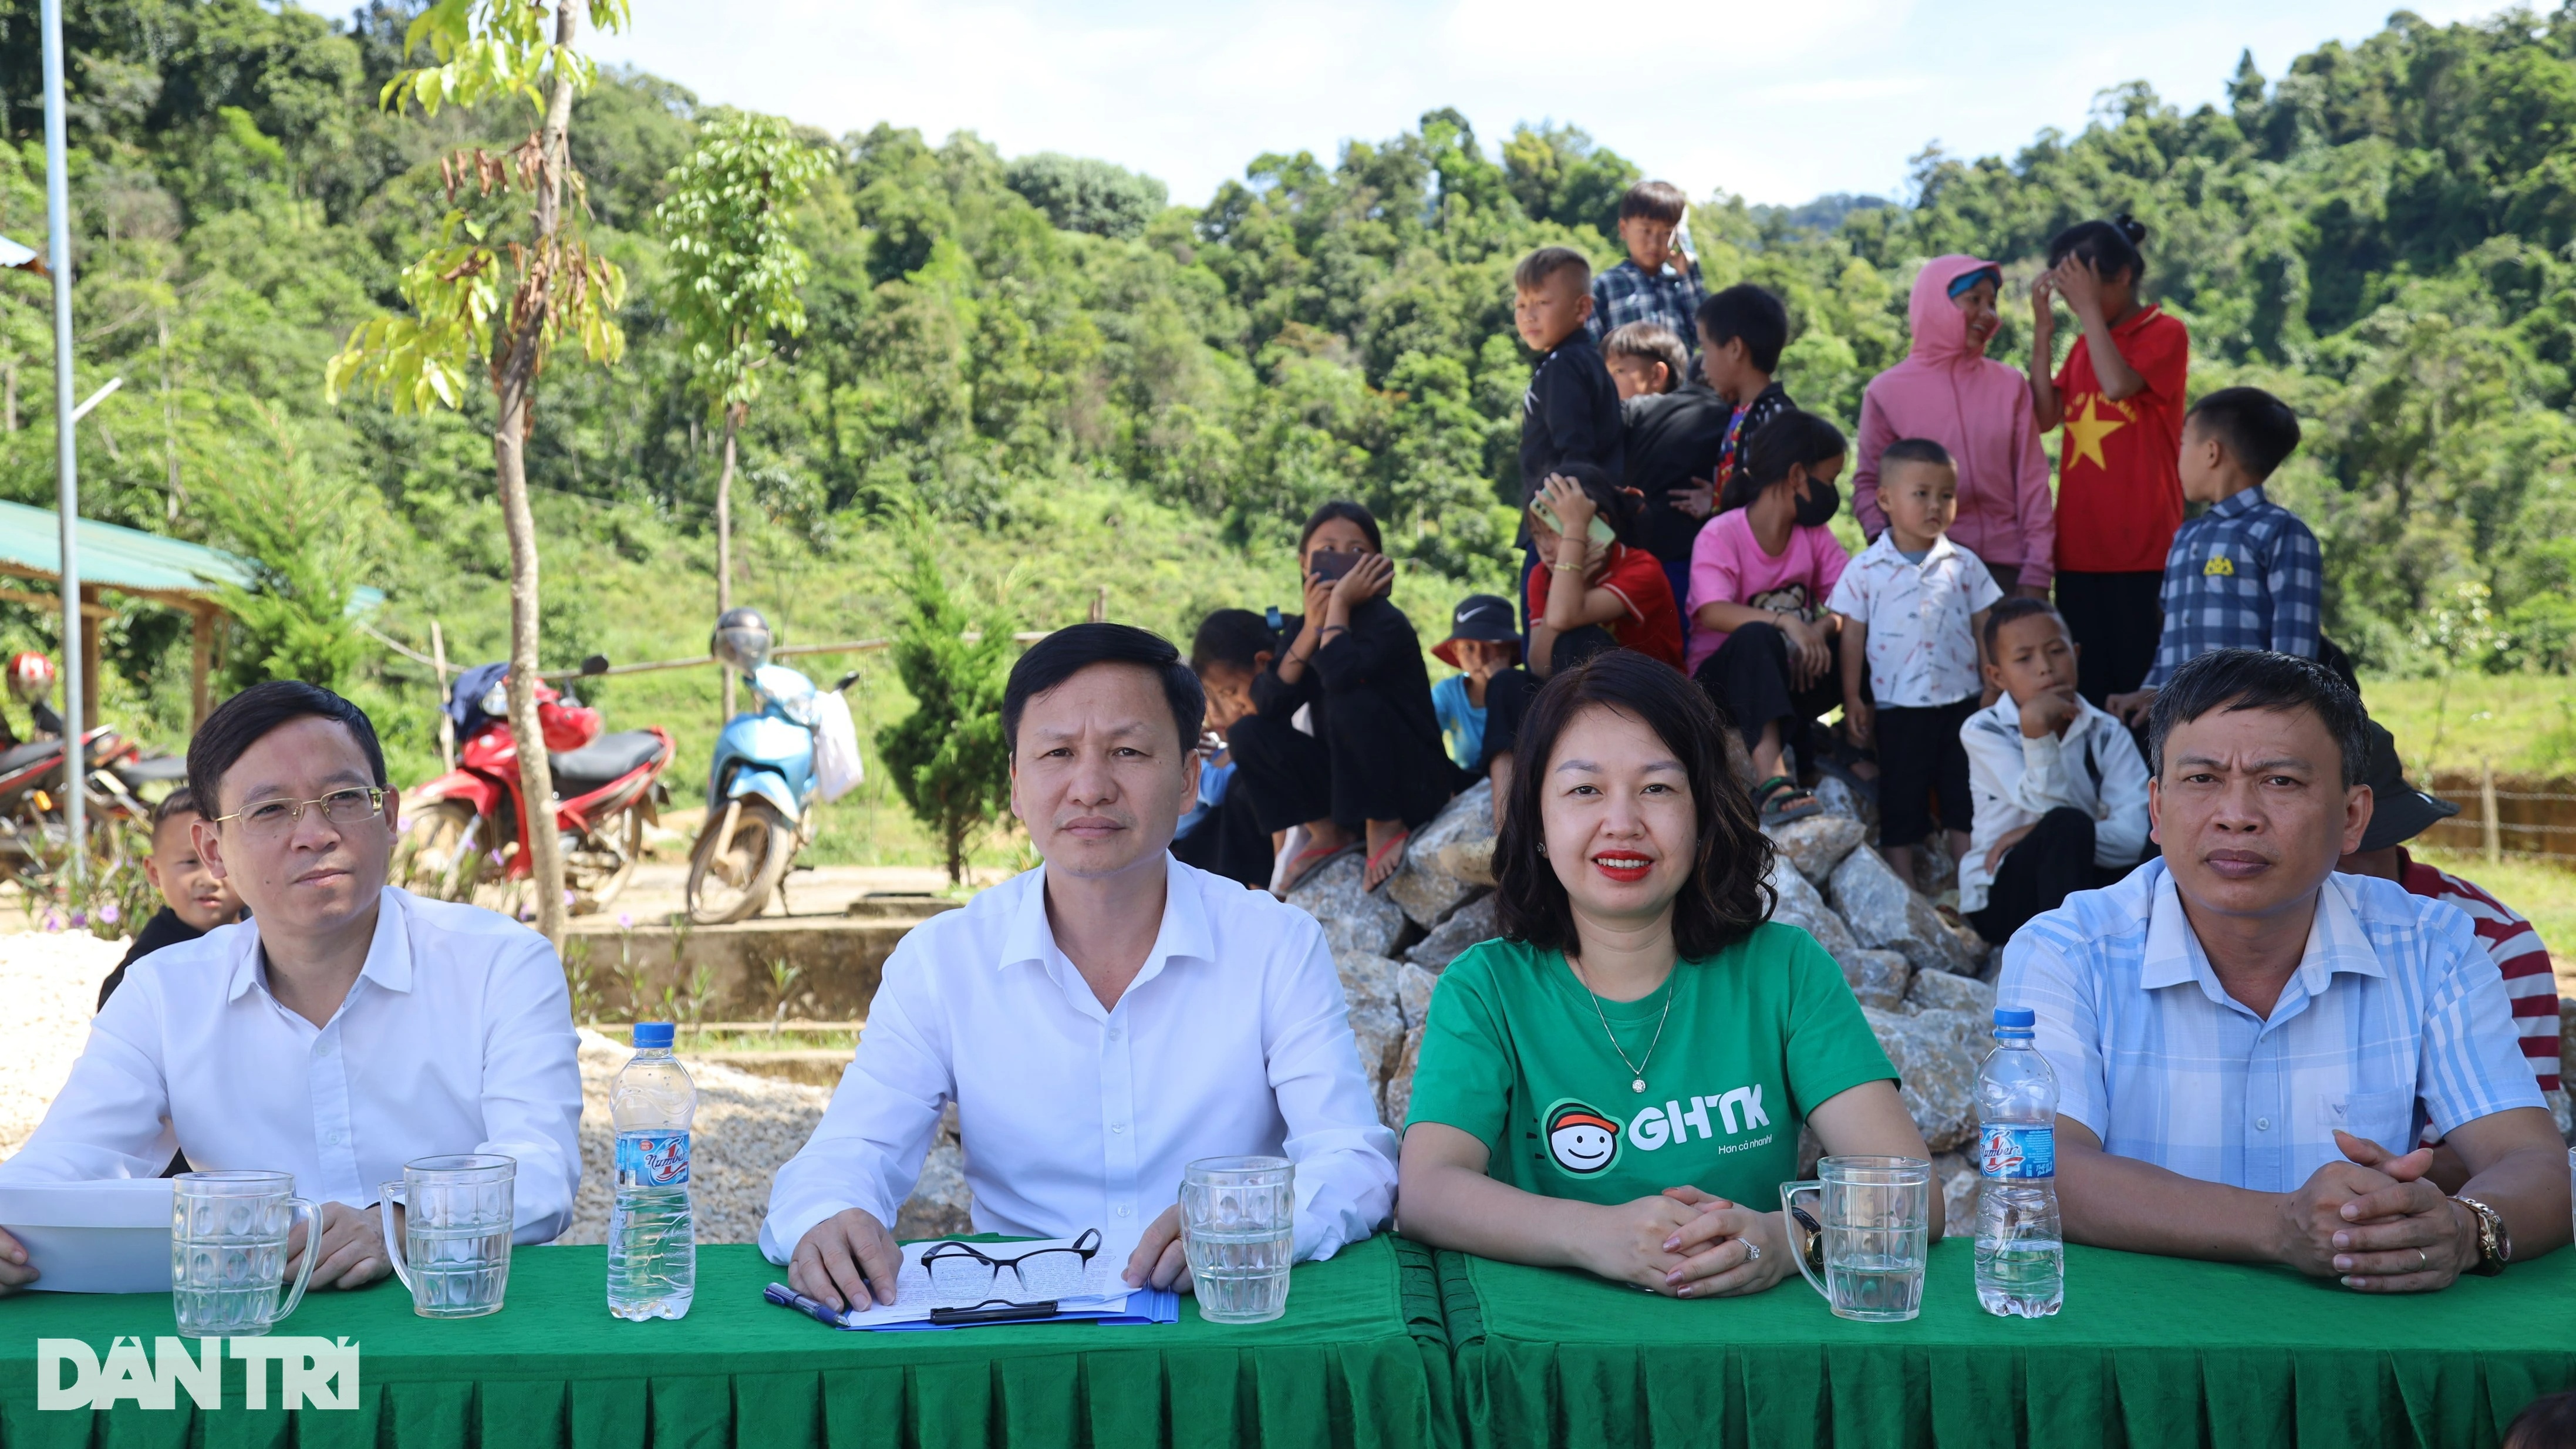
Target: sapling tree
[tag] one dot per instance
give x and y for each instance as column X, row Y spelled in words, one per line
column 948, row 758
column 734, row 276
column 501, row 289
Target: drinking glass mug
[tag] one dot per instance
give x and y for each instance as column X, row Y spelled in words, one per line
column 454, row 1249
column 1877, row 1227
column 1239, row 1228
column 228, row 1234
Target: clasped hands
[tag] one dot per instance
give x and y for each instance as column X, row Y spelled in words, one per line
column 2376, row 1224
column 1685, row 1243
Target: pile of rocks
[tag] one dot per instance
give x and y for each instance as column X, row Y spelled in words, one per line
column 1922, row 975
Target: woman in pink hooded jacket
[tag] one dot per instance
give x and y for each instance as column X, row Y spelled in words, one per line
column 1947, row 390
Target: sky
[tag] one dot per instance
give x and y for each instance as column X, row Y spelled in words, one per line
column 1775, row 100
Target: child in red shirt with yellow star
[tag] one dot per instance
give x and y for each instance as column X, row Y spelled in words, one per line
column 2119, row 484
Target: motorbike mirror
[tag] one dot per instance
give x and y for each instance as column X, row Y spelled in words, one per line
column 846, row 681
column 595, row 664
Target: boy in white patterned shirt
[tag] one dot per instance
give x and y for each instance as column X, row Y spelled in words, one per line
column 1914, row 608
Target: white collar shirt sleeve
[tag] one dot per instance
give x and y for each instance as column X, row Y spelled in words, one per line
column 1233, row 1039
column 456, row 1037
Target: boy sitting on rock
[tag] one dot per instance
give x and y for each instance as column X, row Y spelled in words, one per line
column 2060, row 789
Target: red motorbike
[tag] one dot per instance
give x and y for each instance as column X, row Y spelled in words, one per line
column 466, row 830
column 33, row 828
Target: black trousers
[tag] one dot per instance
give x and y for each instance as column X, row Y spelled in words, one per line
column 1749, row 679
column 1229, row 841
column 2116, row 620
column 1919, row 755
column 2051, row 863
column 1507, row 700
column 1282, row 775
column 1366, row 767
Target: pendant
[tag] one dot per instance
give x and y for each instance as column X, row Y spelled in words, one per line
column 1638, row 1085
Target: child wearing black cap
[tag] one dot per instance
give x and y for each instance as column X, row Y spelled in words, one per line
column 1480, row 707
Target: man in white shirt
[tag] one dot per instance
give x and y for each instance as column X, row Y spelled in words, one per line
column 344, row 1029
column 1100, row 1022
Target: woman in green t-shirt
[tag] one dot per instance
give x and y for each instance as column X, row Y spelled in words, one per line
column 1617, row 1085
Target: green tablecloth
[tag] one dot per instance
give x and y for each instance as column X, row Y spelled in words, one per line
column 1359, row 1359
column 2146, row 1352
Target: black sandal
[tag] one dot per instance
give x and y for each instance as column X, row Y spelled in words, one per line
column 1784, row 799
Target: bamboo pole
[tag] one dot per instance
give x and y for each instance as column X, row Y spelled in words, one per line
column 446, row 721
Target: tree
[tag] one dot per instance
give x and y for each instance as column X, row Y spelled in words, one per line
column 1078, row 193
column 735, row 275
column 950, row 762
column 558, row 287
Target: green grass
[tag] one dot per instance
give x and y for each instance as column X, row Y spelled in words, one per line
column 2522, row 724
column 2546, row 894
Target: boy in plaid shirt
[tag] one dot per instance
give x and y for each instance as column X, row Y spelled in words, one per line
column 2246, row 574
column 1659, row 282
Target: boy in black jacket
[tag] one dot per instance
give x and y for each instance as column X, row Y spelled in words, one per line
column 1571, row 412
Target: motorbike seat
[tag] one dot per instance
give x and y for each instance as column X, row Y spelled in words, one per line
column 578, row 772
column 154, row 769
column 19, row 757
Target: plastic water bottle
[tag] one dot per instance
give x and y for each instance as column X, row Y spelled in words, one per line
column 2021, row 1255
column 652, row 1236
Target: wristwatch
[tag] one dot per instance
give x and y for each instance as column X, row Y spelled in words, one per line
column 2495, row 1245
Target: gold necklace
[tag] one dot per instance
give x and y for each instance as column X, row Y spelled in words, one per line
column 1636, row 1069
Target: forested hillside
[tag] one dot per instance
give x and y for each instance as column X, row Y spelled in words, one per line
column 1085, row 387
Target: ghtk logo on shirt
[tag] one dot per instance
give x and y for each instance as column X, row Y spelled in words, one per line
column 1737, row 1112
column 1581, row 1141
column 315, row 1373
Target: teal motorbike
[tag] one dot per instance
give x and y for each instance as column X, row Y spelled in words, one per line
column 762, row 784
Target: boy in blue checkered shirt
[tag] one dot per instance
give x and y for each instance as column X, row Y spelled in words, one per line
column 2246, row 574
column 1660, row 280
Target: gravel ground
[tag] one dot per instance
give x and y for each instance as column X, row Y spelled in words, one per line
column 50, row 981
column 747, row 1127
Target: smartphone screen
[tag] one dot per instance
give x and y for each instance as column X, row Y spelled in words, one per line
column 1330, row 566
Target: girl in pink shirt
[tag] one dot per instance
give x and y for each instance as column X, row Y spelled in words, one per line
column 1765, row 648
column 1949, row 391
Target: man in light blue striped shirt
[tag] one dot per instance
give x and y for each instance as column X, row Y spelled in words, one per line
column 2242, row 1038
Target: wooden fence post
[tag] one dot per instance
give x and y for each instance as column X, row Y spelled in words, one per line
column 2487, row 807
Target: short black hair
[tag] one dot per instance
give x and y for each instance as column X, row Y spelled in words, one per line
column 1916, row 450
column 182, row 801
column 1536, row 268
column 1231, row 636
column 1650, row 342
column 2239, row 679
column 1793, row 438
column 1654, row 200
column 1070, row 650
column 1728, row 893
column 1752, row 313
column 2015, row 607
column 247, row 718
column 2258, row 429
column 1348, row 512
column 1618, row 506
column 2111, row 246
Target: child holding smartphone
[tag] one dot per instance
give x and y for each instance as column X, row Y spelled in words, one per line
column 1368, row 764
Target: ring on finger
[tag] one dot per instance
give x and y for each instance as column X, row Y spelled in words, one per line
column 2423, row 1260
column 1753, row 1252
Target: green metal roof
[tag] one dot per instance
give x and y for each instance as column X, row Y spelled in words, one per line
column 114, row 556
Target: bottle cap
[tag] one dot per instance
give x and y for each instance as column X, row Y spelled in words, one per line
column 2007, row 1018
column 651, row 1034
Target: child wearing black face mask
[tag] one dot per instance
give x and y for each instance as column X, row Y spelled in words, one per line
column 1764, row 647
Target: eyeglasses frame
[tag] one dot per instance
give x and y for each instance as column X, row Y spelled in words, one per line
column 375, row 799
column 1086, row 1247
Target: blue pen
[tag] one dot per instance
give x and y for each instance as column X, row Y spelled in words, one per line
column 786, row 1297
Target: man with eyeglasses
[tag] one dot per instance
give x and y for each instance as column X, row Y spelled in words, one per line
column 346, row 1028
column 1100, row 1022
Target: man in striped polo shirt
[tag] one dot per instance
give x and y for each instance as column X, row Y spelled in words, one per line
column 2399, row 813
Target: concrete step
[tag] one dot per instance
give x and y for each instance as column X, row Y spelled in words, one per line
column 723, row 973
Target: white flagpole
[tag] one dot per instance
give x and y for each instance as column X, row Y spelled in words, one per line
column 58, row 234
